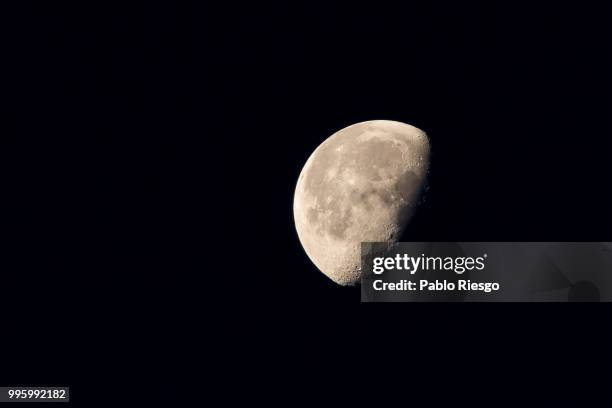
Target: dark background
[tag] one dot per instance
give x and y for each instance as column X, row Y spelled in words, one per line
column 152, row 150
column 101, row 239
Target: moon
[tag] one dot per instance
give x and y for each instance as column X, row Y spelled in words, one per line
column 362, row 184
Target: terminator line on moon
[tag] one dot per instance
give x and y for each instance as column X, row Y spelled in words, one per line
column 361, row 184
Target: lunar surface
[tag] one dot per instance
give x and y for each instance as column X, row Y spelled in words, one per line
column 361, row 184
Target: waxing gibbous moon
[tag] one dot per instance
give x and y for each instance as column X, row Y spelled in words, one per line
column 361, row 184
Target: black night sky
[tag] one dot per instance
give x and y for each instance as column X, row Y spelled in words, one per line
column 151, row 152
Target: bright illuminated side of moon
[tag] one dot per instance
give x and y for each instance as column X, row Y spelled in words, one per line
column 361, row 184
